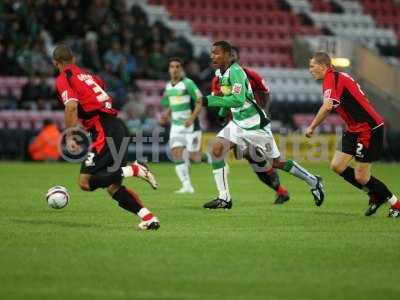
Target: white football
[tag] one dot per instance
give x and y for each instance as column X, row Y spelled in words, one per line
column 57, row 197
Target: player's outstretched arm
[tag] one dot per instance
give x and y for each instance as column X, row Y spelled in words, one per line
column 232, row 100
column 323, row 112
column 237, row 96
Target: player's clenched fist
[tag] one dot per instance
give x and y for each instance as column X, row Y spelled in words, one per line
column 72, row 145
column 164, row 118
column 309, row 131
column 188, row 122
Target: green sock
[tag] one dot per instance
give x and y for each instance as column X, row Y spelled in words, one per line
column 218, row 164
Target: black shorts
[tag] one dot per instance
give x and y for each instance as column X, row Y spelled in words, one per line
column 100, row 158
column 364, row 146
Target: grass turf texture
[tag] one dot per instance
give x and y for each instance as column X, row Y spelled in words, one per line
column 91, row 248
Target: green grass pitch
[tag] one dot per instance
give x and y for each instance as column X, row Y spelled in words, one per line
column 92, row 249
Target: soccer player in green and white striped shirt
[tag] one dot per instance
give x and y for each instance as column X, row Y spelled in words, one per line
column 182, row 101
column 247, row 130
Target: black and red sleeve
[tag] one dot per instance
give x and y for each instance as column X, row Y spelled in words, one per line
column 329, row 88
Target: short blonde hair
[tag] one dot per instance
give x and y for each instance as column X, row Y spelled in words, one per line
column 322, row 58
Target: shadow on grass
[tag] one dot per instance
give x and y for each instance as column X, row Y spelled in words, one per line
column 53, row 222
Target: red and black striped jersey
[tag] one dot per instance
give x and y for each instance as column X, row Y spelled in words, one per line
column 75, row 84
column 350, row 102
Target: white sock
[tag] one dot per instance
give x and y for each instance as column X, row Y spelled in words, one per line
column 127, row 171
column 302, row 173
column 135, row 169
column 182, row 170
column 393, row 200
column 143, row 212
column 221, row 180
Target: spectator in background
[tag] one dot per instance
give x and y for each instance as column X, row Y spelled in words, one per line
column 129, row 66
column 97, row 13
column 36, row 94
column 29, row 94
column 115, row 36
column 193, row 70
column 142, row 60
column 16, row 34
column 156, row 34
column 43, row 88
column 45, row 146
column 105, row 38
column 90, row 54
column 7, row 58
column 114, row 56
column 8, row 101
column 114, row 86
column 126, row 35
column 157, row 62
column 24, row 58
column 133, row 112
column 74, row 21
column 40, row 62
column 172, row 47
column 60, row 30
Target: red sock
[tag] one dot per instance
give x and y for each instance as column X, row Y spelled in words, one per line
column 135, row 169
column 147, row 217
column 396, row 205
column 281, row 191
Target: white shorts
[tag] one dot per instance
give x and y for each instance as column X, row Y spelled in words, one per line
column 190, row 140
column 250, row 140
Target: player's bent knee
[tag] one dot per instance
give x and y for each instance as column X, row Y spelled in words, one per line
column 195, row 157
column 277, row 163
column 84, row 186
column 337, row 168
column 218, row 149
column 176, row 153
column 84, row 183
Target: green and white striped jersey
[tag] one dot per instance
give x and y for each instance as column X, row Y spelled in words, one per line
column 239, row 98
column 181, row 99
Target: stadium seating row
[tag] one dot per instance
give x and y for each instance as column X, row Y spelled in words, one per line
column 264, row 28
column 360, row 27
column 15, row 84
column 225, row 6
column 254, row 19
column 386, row 13
column 27, row 119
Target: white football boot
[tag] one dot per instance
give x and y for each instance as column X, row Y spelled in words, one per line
column 152, row 224
column 185, row 189
column 145, row 173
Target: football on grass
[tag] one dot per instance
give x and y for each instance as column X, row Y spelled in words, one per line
column 57, row 197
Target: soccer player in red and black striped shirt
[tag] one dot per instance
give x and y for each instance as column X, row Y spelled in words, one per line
column 363, row 138
column 266, row 173
column 85, row 100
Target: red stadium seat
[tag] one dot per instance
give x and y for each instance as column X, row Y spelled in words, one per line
column 262, row 29
column 386, row 13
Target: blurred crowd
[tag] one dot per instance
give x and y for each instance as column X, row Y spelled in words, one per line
column 108, row 38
